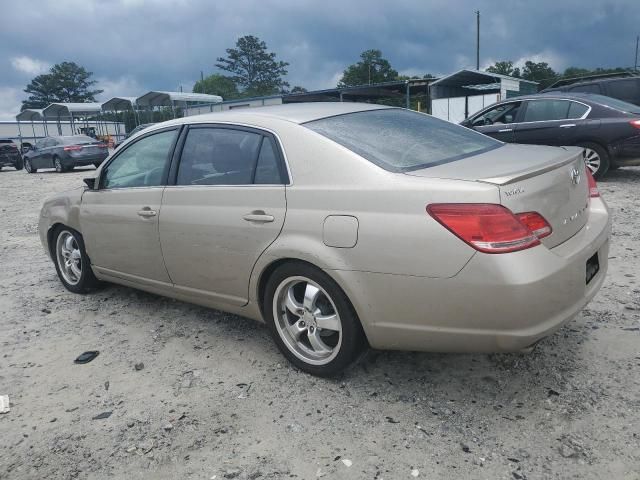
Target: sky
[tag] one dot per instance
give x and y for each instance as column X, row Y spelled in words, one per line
column 134, row 46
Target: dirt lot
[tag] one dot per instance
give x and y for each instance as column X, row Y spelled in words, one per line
column 216, row 400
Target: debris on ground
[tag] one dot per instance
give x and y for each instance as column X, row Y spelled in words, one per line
column 86, row 357
column 4, row 404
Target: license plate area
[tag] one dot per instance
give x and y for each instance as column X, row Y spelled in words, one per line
column 593, row 267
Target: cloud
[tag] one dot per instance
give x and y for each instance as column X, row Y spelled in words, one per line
column 29, row 65
column 10, row 102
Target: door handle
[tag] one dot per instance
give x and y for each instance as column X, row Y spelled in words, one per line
column 505, row 130
column 568, row 125
column 146, row 212
column 258, row 216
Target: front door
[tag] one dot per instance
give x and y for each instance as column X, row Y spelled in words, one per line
column 119, row 219
column 498, row 122
column 226, row 207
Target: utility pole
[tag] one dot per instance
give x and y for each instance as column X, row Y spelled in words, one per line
column 637, row 42
column 477, row 39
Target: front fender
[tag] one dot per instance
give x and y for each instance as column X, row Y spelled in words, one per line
column 62, row 208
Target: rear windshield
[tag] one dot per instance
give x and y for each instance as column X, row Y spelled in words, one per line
column 5, row 141
column 399, row 140
column 615, row 103
column 77, row 140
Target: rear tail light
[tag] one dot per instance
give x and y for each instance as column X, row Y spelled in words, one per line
column 487, row 227
column 535, row 223
column 101, row 145
column 635, row 123
column 72, row 148
column 591, row 183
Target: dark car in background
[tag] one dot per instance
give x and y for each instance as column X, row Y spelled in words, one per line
column 10, row 154
column 139, row 128
column 624, row 87
column 608, row 129
column 64, row 153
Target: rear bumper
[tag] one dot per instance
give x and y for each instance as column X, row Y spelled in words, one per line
column 627, row 151
column 496, row 303
column 9, row 159
column 72, row 161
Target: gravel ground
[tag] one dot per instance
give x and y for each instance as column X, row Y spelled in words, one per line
column 215, row 399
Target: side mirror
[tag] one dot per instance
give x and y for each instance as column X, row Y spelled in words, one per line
column 90, row 182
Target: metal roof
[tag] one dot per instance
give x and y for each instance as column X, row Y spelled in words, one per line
column 167, row 99
column 119, row 103
column 55, row 110
column 30, row 114
column 466, row 77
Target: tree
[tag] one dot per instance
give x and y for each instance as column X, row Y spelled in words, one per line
column 538, row 71
column 504, row 68
column 372, row 68
column 298, row 89
column 255, row 70
column 217, row 84
column 65, row 82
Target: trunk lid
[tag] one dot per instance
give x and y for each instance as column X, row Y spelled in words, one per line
column 531, row 178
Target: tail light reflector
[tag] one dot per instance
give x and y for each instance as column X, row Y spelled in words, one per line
column 72, row 148
column 635, row 123
column 591, row 183
column 487, row 227
column 536, row 223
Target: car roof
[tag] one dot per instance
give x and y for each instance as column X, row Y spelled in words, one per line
column 291, row 112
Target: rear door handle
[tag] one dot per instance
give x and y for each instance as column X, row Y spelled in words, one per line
column 258, row 216
column 568, row 125
column 505, row 130
column 146, row 212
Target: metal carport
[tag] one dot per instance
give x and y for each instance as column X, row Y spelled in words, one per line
column 122, row 104
column 29, row 115
column 175, row 99
column 71, row 110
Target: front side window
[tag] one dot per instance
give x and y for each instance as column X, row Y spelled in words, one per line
column 401, row 140
column 505, row 113
column 142, row 164
column 218, row 156
column 546, row 110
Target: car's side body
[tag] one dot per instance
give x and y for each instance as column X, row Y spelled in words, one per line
column 537, row 119
column 71, row 152
column 412, row 284
column 626, row 88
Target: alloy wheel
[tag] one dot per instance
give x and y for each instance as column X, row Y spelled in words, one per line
column 58, row 165
column 69, row 257
column 592, row 160
column 307, row 320
column 27, row 165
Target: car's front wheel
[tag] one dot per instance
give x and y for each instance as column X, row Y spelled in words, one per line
column 19, row 164
column 28, row 167
column 71, row 260
column 311, row 319
column 596, row 158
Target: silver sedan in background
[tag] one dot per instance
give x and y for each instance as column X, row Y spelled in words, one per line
column 342, row 225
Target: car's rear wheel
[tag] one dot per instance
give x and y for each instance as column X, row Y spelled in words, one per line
column 596, row 159
column 57, row 163
column 311, row 319
column 71, row 260
column 28, row 167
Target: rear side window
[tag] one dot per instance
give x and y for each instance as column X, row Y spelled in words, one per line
column 545, row 110
column 401, row 140
column 577, row 110
column 267, row 168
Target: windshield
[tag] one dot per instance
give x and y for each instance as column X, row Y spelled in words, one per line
column 615, row 103
column 401, row 140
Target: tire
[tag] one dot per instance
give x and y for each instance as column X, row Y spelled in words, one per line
column 57, row 163
column 319, row 332
column 28, row 167
column 596, row 159
column 75, row 274
column 19, row 165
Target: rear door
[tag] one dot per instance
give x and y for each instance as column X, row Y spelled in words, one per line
column 498, row 122
column 550, row 122
column 226, row 207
